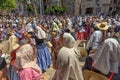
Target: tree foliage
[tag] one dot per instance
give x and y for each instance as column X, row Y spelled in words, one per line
column 29, row 7
column 22, row 1
column 56, row 9
column 7, row 4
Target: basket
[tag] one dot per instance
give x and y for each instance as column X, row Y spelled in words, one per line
column 91, row 75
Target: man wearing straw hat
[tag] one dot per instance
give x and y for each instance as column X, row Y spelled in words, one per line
column 94, row 42
column 97, row 37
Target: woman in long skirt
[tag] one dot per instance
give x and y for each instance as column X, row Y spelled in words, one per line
column 25, row 63
column 12, row 75
column 43, row 54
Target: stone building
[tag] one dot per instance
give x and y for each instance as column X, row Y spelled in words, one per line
column 88, row 7
column 73, row 6
column 96, row 7
column 83, row 7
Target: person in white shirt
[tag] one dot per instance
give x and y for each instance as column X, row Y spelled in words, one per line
column 97, row 37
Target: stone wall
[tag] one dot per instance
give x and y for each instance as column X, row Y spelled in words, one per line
column 87, row 4
column 77, row 7
column 102, row 6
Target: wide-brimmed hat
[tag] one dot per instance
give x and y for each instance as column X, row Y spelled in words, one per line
column 53, row 33
column 91, row 75
column 102, row 26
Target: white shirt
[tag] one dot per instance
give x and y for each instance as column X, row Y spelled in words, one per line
column 95, row 40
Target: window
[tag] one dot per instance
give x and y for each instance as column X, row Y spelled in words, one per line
column 89, row 10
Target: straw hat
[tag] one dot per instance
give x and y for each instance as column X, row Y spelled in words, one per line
column 90, row 75
column 102, row 26
column 49, row 44
column 53, row 33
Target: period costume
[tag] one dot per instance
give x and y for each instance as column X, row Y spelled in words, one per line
column 12, row 75
column 87, row 29
column 54, row 29
column 21, row 33
column 54, row 26
column 25, row 63
column 3, row 33
column 106, row 59
column 43, row 54
column 81, row 34
column 67, row 64
column 97, row 37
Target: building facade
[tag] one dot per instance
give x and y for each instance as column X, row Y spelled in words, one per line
column 88, row 7
column 79, row 7
column 96, row 7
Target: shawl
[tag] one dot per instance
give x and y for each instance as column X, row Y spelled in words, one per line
column 107, row 57
column 40, row 33
column 67, row 65
column 68, row 40
column 25, row 58
column 12, row 42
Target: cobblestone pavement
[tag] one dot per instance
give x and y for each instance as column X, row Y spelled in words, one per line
column 50, row 72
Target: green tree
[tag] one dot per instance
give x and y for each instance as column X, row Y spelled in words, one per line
column 31, row 7
column 2, row 1
column 7, row 4
column 22, row 1
column 56, row 9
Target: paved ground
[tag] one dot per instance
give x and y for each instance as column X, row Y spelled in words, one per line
column 50, row 72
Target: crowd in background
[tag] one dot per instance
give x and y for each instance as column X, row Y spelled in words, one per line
column 37, row 42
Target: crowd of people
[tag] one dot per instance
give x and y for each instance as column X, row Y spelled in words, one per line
column 37, row 42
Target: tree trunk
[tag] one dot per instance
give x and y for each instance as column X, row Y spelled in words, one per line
column 35, row 7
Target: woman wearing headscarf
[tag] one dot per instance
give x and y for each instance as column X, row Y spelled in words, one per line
column 43, row 54
column 106, row 59
column 25, row 63
column 67, row 64
column 13, row 46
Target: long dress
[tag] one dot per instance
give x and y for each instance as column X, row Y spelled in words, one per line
column 13, row 46
column 12, row 75
column 25, row 63
column 67, row 66
column 43, row 54
column 29, row 74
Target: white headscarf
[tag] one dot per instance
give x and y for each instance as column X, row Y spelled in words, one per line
column 41, row 33
column 25, row 58
column 68, row 40
column 107, row 57
column 67, row 63
column 12, row 43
